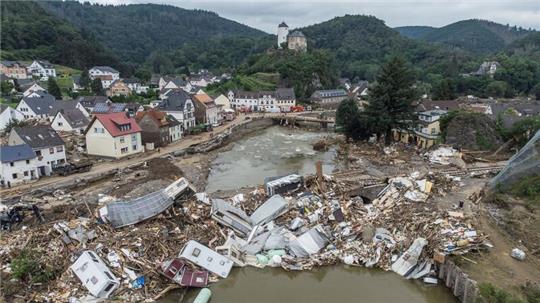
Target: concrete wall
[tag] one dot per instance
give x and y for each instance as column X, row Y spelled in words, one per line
column 463, row 287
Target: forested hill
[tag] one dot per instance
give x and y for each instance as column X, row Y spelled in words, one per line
column 134, row 31
column 414, row 32
column 528, row 46
column 476, row 36
column 29, row 32
column 361, row 43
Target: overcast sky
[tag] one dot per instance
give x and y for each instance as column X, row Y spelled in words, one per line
column 267, row 14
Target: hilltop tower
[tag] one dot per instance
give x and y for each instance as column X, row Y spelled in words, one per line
column 283, row 32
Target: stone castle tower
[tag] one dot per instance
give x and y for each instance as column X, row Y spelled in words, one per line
column 283, row 32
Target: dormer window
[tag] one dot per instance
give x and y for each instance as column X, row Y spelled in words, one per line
column 125, row 127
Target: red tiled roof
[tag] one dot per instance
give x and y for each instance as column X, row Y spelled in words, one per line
column 112, row 123
column 156, row 115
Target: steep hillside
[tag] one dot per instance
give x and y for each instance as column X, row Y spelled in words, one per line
column 29, row 32
column 529, row 46
column 476, row 36
column 414, row 32
column 135, row 31
column 361, row 43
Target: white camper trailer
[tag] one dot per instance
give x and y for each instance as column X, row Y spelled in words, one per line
column 95, row 275
column 206, row 258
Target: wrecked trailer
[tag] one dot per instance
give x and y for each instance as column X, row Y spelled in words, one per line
column 283, row 184
column 179, row 272
column 271, row 209
column 124, row 213
column 231, row 216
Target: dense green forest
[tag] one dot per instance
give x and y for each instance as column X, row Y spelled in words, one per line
column 133, row 32
column 475, row 36
column 414, row 32
column 29, row 32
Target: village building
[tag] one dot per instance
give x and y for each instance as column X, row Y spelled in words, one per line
column 179, row 105
column 113, row 135
column 206, row 110
column 158, row 128
column 13, row 69
column 329, row 98
column 72, row 120
column 49, row 148
column 41, row 69
column 18, row 165
column 223, row 101
column 167, row 83
column 77, row 86
column 285, row 99
column 297, row 41
column 488, row 68
column 283, row 32
column 64, row 105
column 32, row 88
column 118, row 88
column 89, row 102
column 106, row 74
column 426, row 133
column 108, row 108
column 200, row 80
column 135, row 85
column 36, row 107
column 9, row 115
column 280, row 100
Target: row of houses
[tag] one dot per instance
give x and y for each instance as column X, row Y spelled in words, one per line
column 279, row 100
column 426, row 133
column 40, row 69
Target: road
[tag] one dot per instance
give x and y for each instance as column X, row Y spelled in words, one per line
column 104, row 167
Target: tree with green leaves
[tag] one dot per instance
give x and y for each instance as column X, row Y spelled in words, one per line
column 53, row 88
column 390, row 99
column 351, row 121
column 444, row 90
column 6, row 87
column 97, row 87
column 85, row 78
column 496, row 89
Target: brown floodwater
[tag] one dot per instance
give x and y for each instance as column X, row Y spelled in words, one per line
column 327, row 284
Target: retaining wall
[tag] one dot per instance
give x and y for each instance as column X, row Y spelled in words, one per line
column 463, row 287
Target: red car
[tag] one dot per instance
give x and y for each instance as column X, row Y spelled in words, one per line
column 178, row 271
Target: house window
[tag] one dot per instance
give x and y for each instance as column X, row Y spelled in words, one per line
column 38, row 153
column 27, row 161
column 60, row 161
column 59, row 149
column 133, row 138
column 124, row 150
column 14, row 176
column 134, row 147
column 12, row 164
column 26, row 173
column 196, row 252
column 60, row 123
column 122, row 140
column 99, row 130
column 51, row 150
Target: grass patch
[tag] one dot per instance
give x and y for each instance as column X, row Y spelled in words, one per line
column 27, row 267
column 492, row 294
column 528, row 188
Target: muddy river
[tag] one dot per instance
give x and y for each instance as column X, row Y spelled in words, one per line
column 279, row 151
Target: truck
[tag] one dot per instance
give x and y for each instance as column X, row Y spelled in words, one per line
column 73, row 168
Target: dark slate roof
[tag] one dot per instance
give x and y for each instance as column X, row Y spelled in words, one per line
column 8, row 63
column 176, row 101
column 75, row 118
column 39, row 136
column 132, row 80
column 60, row 105
column 12, row 153
column 283, row 24
column 41, row 105
column 25, row 84
column 179, row 81
column 104, row 108
column 45, row 63
column 330, row 93
column 154, row 80
column 245, row 94
column 296, row 34
column 90, row 101
column 285, row 94
column 76, row 80
column 106, row 69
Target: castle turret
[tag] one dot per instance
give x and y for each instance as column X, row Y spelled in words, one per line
column 283, row 32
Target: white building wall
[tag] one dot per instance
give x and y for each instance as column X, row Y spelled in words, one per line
column 21, row 171
column 27, row 112
column 212, row 115
column 283, row 32
column 8, row 115
column 175, row 133
column 99, row 142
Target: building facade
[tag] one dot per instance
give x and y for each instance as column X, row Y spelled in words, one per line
column 18, row 165
column 13, row 69
column 113, row 135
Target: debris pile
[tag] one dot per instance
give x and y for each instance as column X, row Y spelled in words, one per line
column 172, row 238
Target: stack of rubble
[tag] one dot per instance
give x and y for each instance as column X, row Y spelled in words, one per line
column 151, row 244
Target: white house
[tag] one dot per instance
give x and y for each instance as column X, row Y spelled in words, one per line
column 285, row 99
column 179, row 105
column 223, row 101
column 34, row 88
column 19, row 164
column 42, row 69
column 200, row 81
column 135, row 85
column 67, row 105
column 47, row 145
column 99, row 71
column 70, row 121
column 279, row 100
column 241, row 100
column 36, row 107
column 8, row 114
column 113, row 135
column 174, row 83
column 175, row 128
